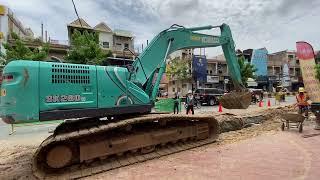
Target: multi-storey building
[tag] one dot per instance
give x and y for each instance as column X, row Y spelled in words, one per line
column 10, row 23
column 276, row 71
column 114, row 40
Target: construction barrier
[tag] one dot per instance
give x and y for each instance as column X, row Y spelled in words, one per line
column 166, row 105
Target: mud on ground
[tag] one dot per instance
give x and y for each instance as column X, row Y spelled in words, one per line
column 15, row 159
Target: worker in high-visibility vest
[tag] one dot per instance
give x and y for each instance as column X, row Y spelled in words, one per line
column 302, row 101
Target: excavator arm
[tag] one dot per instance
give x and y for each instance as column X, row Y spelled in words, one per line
column 176, row 38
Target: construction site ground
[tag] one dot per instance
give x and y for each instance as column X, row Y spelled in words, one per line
column 261, row 151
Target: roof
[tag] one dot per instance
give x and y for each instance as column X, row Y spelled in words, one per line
column 80, row 23
column 123, row 33
column 102, row 27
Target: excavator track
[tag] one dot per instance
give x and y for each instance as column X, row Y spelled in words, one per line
column 107, row 146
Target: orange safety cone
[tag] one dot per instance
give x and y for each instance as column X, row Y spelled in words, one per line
column 269, row 103
column 220, row 107
column 260, row 103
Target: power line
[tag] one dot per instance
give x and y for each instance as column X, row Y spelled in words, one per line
column 75, row 9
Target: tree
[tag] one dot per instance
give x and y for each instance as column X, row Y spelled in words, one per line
column 19, row 51
column 247, row 70
column 317, row 67
column 85, row 49
column 178, row 69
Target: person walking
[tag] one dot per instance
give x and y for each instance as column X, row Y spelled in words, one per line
column 176, row 103
column 190, row 102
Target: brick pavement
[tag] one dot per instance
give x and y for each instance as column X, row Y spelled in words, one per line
column 281, row 156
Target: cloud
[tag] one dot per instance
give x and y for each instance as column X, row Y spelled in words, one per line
column 274, row 24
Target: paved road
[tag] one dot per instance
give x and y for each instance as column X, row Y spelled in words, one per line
column 289, row 100
column 280, row 156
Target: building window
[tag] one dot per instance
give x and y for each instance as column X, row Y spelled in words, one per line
column 118, row 44
column 173, row 82
column 184, row 86
column 297, row 61
column 210, row 71
column 105, row 44
column 126, row 45
column 173, row 89
column 290, row 56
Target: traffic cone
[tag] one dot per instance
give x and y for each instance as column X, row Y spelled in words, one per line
column 260, row 104
column 220, row 107
column 269, row 103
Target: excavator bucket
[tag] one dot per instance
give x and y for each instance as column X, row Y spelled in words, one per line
column 236, row 100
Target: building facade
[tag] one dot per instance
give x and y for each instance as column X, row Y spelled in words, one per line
column 114, row 40
column 218, row 74
column 10, row 23
column 284, row 66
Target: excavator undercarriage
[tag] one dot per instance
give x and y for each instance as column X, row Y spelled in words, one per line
column 105, row 146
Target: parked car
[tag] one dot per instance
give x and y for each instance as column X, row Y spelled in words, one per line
column 256, row 95
column 208, row 96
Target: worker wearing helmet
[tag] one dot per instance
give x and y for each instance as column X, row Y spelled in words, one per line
column 302, row 101
column 190, row 102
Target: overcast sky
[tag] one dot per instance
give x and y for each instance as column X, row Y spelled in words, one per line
column 274, row 24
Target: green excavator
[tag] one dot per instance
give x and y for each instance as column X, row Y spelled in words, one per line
column 83, row 95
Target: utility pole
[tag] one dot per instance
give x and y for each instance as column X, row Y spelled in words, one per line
column 46, row 33
column 42, row 32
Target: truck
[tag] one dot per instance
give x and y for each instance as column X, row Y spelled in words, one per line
column 106, row 109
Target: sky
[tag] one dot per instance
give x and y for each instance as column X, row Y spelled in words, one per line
column 274, row 24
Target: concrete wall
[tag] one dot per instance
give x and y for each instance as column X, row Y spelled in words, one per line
column 106, row 37
column 4, row 29
column 181, row 86
column 119, row 43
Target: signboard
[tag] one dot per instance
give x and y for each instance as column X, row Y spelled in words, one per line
column 213, row 79
column 2, row 10
column 305, row 54
column 260, row 60
column 251, row 83
column 199, row 66
column 286, row 80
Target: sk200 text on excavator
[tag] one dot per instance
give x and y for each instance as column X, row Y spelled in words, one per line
column 84, row 94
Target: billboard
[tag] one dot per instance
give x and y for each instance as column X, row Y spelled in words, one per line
column 199, row 68
column 305, row 54
column 260, row 61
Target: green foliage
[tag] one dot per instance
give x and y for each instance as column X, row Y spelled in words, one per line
column 247, row 70
column 85, row 49
column 19, row 51
column 317, row 67
column 178, row 69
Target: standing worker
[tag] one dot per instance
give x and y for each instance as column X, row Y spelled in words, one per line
column 176, row 103
column 190, row 102
column 302, row 101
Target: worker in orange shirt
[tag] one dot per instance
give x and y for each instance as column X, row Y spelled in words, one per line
column 302, row 101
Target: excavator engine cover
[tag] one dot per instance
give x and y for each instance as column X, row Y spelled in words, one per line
column 236, row 100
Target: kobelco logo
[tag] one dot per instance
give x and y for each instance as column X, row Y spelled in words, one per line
column 207, row 40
